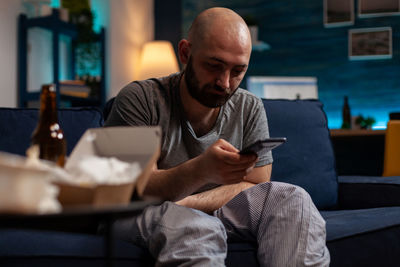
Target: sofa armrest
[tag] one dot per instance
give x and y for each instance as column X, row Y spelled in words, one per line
column 362, row 192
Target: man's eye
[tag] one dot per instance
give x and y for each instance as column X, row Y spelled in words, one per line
column 237, row 72
column 213, row 66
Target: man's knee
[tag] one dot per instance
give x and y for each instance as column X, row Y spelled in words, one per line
column 278, row 191
column 288, row 200
column 295, row 197
column 298, row 192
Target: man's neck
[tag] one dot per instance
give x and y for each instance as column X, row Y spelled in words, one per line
column 201, row 118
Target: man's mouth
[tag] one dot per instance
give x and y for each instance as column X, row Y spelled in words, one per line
column 220, row 91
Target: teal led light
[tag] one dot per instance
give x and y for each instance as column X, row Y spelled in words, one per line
column 55, row 3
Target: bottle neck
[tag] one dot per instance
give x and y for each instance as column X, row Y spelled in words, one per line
column 346, row 101
column 48, row 107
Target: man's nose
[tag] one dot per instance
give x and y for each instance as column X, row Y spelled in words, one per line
column 223, row 80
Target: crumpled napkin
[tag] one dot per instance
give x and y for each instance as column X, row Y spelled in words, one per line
column 92, row 169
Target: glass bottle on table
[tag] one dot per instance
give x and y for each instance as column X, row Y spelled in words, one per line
column 48, row 134
column 346, row 114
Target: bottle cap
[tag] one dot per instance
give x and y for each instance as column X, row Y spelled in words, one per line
column 52, row 88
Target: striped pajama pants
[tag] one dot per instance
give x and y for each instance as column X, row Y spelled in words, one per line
column 280, row 217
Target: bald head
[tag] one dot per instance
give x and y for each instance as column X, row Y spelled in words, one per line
column 216, row 56
column 219, row 23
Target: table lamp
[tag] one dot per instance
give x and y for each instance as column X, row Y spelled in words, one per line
column 157, row 60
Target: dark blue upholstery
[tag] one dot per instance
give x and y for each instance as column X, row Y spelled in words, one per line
column 361, row 192
column 62, row 249
column 370, row 249
column 47, row 248
column 345, row 223
column 17, row 125
column 366, row 237
column 363, row 237
column 307, row 158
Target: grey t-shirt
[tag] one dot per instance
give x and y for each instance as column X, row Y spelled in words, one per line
column 241, row 121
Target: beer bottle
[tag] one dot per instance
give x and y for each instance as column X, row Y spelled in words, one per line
column 346, row 114
column 48, row 134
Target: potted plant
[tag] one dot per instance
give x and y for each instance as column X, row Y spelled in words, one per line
column 365, row 123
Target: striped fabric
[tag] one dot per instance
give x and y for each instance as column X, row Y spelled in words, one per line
column 283, row 220
column 280, row 217
column 176, row 235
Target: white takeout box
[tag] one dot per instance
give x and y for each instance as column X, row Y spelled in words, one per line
column 129, row 144
column 21, row 186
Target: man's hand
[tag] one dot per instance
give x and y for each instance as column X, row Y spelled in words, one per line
column 221, row 163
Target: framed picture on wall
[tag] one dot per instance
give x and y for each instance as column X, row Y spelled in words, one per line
column 370, row 43
column 374, row 8
column 338, row 13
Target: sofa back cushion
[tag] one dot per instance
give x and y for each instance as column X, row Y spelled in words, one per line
column 307, row 158
column 17, row 125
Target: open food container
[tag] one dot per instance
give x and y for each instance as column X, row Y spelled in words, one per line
column 128, row 144
column 24, row 188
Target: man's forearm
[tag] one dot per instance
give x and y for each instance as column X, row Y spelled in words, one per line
column 175, row 183
column 213, row 199
column 219, row 164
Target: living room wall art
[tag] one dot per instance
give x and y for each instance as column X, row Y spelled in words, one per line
column 374, row 8
column 370, row 43
column 338, row 13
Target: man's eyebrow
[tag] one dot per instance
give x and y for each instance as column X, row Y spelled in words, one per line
column 224, row 62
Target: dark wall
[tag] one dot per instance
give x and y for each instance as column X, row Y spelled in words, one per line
column 168, row 22
column 302, row 46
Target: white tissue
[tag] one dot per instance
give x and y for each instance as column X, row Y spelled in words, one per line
column 101, row 170
column 49, row 203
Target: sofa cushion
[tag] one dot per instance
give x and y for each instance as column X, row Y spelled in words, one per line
column 363, row 192
column 49, row 248
column 307, row 158
column 17, row 125
column 347, row 223
column 365, row 237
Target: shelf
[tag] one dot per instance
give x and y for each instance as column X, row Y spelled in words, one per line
column 355, row 132
column 54, row 24
column 81, row 101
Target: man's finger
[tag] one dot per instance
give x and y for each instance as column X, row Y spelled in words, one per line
column 238, row 159
column 225, row 145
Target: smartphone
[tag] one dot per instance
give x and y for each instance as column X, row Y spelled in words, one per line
column 263, row 145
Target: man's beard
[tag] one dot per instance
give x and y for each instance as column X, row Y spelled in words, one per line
column 205, row 95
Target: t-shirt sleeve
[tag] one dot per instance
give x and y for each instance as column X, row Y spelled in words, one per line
column 130, row 107
column 256, row 128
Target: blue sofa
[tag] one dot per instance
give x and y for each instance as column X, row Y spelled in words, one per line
column 362, row 213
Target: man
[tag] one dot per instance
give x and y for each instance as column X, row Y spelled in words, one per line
column 206, row 120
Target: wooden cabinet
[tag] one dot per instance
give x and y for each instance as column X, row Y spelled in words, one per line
column 358, row 152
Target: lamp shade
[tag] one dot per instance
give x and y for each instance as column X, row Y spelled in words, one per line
column 157, row 60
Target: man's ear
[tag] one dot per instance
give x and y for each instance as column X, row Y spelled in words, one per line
column 184, row 51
